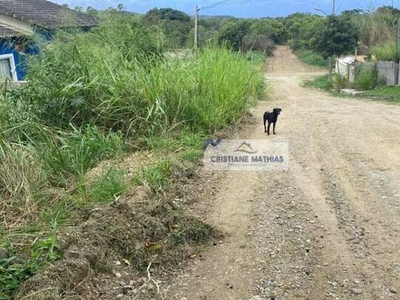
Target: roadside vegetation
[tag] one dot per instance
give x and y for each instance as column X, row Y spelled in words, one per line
column 320, row 82
column 106, row 115
column 315, row 38
column 372, row 33
column 386, row 93
column 312, row 58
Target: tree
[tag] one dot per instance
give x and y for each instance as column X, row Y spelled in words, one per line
column 120, row 7
column 91, row 11
column 169, row 14
column 302, row 30
column 337, row 36
column 258, row 42
column 175, row 25
column 233, row 32
column 275, row 30
column 353, row 12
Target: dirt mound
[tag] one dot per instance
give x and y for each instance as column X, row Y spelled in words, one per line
column 113, row 251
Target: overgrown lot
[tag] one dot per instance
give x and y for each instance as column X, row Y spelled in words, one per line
column 92, row 149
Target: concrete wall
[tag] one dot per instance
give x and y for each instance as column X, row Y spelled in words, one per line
column 388, row 71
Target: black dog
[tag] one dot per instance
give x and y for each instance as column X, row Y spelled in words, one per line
column 271, row 117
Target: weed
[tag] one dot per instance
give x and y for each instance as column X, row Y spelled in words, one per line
column 154, row 176
column 12, row 273
column 108, row 187
column 47, row 249
column 15, row 270
column 339, row 82
column 366, row 79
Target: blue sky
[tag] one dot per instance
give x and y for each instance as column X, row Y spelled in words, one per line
column 238, row 8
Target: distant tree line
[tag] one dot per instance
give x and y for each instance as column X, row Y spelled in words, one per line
column 372, row 33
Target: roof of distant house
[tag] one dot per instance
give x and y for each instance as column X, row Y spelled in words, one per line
column 44, row 13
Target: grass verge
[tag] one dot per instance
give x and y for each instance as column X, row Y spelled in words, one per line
column 386, row 93
column 311, row 58
column 320, row 82
column 389, row 94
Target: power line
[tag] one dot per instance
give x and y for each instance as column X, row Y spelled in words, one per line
column 196, row 17
column 214, row 5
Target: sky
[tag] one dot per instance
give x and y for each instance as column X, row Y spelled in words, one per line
column 237, row 8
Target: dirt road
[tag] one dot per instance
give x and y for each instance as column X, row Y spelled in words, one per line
column 329, row 228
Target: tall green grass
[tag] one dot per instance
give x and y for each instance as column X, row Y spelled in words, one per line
column 96, row 78
column 67, row 156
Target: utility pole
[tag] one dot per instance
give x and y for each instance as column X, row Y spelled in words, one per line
column 331, row 57
column 196, row 26
column 196, row 18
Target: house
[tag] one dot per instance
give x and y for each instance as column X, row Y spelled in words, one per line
column 20, row 20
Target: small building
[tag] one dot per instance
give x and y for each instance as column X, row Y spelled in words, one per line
column 345, row 67
column 21, row 20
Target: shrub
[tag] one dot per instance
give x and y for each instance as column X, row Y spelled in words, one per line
column 386, row 51
column 366, row 79
column 320, row 82
column 258, row 42
column 311, row 58
column 339, row 82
